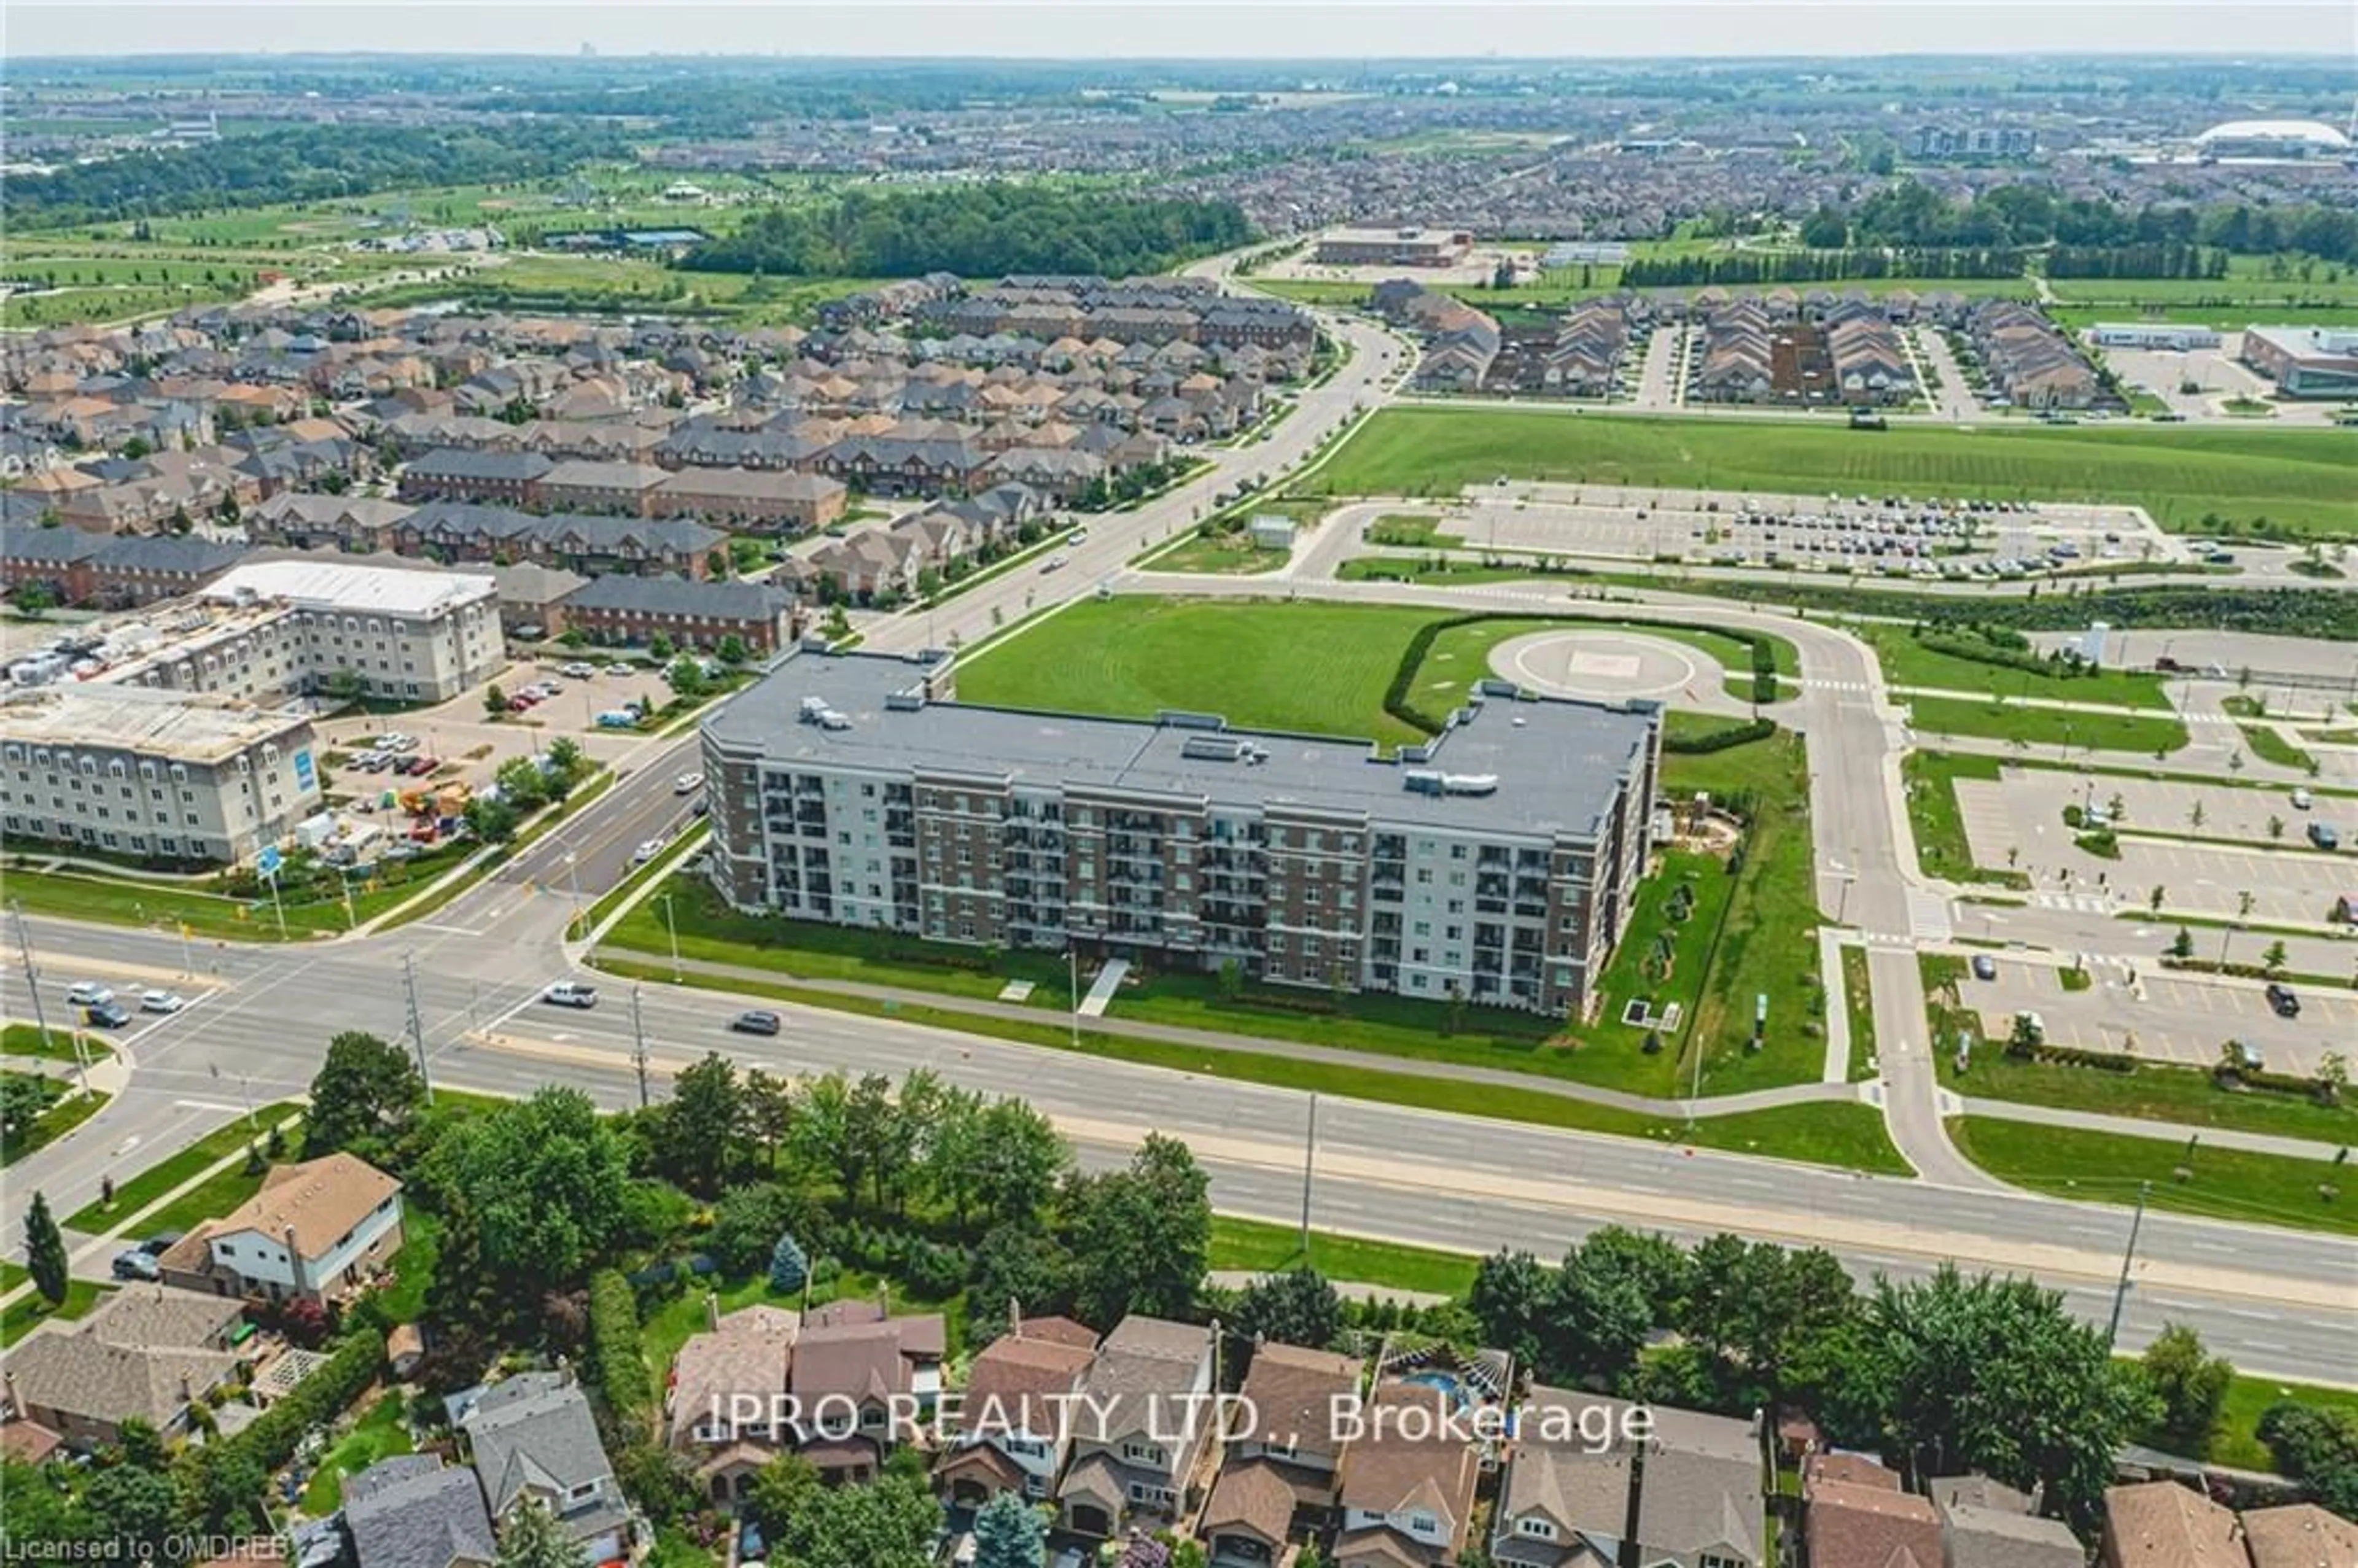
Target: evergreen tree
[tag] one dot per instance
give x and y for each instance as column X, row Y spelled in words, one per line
column 44, row 1251
column 788, row 1266
column 1010, row 1533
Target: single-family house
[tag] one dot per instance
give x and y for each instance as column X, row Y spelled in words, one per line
column 2160, row 1524
column 1013, row 1418
column 413, row 1511
column 1278, row 1474
column 1407, row 1482
column 315, row 1231
column 146, row 1352
column 533, row 1438
column 1152, row 1381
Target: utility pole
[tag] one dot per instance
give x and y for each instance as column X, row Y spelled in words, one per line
column 33, row 986
column 2121, row 1292
column 671, row 924
column 638, row 1044
column 1073, row 957
column 1309, row 1159
column 417, row 1025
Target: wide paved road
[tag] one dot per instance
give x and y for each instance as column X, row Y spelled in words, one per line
column 2277, row 1302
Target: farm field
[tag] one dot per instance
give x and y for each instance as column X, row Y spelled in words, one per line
column 2305, row 481
column 535, row 282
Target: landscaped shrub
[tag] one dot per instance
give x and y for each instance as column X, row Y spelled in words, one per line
column 789, row 1269
column 615, row 1350
column 1720, row 740
column 272, row 1439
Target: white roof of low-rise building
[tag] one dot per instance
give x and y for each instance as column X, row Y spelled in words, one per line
column 332, row 585
column 2316, row 133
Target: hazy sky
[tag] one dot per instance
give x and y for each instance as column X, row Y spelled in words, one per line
column 1136, row 28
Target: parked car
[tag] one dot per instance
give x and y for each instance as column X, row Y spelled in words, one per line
column 578, row 670
column 132, row 1263
column 163, row 1241
column 2301, row 800
column 688, row 783
column 87, row 993
column 617, row 718
column 108, row 1015
column 570, row 993
column 2324, row 835
column 1985, row 966
column 2282, row 1002
column 161, row 1002
column 757, row 1022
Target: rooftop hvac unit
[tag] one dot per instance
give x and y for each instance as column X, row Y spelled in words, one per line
column 812, row 708
column 905, row 701
column 1213, row 748
column 830, row 720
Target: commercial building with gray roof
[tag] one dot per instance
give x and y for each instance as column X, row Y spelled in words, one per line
column 1496, row 863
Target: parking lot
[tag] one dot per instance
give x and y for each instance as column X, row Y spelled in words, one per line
column 1901, row 534
column 2161, row 1017
column 460, row 736
column 2018, row 821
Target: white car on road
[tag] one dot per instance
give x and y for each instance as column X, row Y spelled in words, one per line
column 647, row 851
column 87, row 993
column 688, row 783
column 161, row 1002
column 570, row 993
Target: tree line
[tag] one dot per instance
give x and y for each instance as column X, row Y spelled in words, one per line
column 314, row 163
column 2159, row 258
column 976, row 231
column 1913, row 215
column 1833, row 265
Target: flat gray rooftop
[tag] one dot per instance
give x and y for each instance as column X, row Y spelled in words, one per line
column 1556, row 764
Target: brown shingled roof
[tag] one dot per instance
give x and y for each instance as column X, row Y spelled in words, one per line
column 2160, row 1524
column 1854, row 1526
column 2301, row 1535
column 1253, row 1497
column 322, row 1199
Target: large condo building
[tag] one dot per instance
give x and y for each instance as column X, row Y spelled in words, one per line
column 131, row 772
column 280, row 629
column 1496, row 863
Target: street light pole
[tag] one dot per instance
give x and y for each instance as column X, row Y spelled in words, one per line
column 1073, row 957
column 671, row 924
column 416, row 1024
column 573, row 888
column 32, row 975
column 639, row 1045
column 1309, row 1159
column 2121, row 1292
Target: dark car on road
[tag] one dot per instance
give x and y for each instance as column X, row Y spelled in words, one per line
column 134, row 1263
column 108, row 1015
column 1985, row 966
column 2282, row 1000
column 756, row 1022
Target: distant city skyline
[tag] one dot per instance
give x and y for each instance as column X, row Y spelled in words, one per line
column 1214, row 29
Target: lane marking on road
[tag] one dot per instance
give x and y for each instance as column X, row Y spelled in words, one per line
column 451, row 930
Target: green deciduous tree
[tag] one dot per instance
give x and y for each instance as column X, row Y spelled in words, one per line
column 2191, row 1386
column 1017, row 1267
column 1995, row 1375
column 893, row 1523
column 1296, row 1307
column 2317, row 1446
column 544, row 1180
column 1141, row 1237
column 363, row 1098
column 530, row 1536
column 696, row 1138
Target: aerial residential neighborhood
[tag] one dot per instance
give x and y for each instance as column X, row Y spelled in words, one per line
column 1130, row 787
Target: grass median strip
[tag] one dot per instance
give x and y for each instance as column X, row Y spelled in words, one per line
column 1942, row 848
column 2184, row 1097
column 26, row 1040
column 150, row 1185
column 2106, row 1167
column 1840, row 1133
column 1262, row 1248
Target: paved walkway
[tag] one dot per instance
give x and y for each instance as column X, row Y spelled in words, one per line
column 1102, row 989
column 2134, row 1127
column 1254, row 1045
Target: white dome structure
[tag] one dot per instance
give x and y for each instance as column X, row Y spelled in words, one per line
column 2272, row 139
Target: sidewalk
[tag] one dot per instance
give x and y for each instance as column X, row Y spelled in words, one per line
column 2137, row 1127
column 1254, row 1045
column 103, row 1243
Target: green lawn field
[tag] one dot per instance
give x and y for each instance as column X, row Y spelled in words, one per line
column 1997, row 721
column 1941, row 847
column 2104, row 1167
column 1908, row 661
column 2302, row 479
